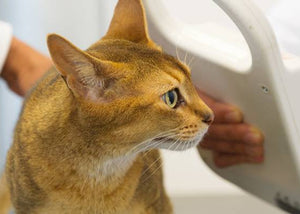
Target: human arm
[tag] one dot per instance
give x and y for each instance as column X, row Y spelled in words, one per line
column 23, row 67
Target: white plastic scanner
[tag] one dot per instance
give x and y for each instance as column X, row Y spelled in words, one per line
column 252, row 75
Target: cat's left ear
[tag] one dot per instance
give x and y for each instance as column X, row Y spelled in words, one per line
column 85, row 75
column 129, row 23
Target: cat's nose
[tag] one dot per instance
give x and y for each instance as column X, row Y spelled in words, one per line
column 208, row 118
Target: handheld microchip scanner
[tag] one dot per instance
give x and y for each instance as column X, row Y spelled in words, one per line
column 251, row 73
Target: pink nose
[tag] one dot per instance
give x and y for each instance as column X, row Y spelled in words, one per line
column 208, row 118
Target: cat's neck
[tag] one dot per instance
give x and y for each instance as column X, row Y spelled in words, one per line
column 110, row 176
column 108, row 170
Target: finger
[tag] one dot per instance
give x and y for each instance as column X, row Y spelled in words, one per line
column 224, row 160
column 233, row 148
column 224, row 113
column 235, row 132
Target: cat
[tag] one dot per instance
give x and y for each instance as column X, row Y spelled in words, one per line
column 89, row 133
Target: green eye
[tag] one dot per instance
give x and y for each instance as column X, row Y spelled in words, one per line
column 171, row 98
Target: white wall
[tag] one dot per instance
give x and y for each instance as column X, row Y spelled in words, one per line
column 83, row 22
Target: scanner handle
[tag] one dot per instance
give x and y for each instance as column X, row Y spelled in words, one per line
column 250, row 20
column 257, row 32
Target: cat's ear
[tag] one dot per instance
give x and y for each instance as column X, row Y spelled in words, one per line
column 129, row 23
column 85, row 75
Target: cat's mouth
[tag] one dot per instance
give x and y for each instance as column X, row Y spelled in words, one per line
column 164, row 139
column 179, row 144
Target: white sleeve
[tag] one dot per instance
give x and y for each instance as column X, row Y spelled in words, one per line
column 5, row 40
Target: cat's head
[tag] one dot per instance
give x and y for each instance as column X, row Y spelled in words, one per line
column 129, row 86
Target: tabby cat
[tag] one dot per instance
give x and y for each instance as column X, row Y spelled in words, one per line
column 88, row 136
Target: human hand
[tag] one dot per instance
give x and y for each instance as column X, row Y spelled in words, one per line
column 231, row 140
column 23, row 67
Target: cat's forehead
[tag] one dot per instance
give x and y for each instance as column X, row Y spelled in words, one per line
column 138, row 55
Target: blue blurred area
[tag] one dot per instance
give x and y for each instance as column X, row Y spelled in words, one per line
column 82, row 22
column 9, row 110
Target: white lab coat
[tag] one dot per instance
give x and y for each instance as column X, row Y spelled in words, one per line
column 5, row 39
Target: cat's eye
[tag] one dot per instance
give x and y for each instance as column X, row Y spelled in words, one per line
column 172, row 98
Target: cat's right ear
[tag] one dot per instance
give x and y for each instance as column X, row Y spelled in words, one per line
column 129, row 23
column 85, row 75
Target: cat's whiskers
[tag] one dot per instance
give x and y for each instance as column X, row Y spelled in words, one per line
column 185, row 57
column 178, row 145
column 140, row 150
column 154, row 145
column 85, row 181
column 177, row 54
column 150, row 143
column 163, row 138
column 191, row 61
column 157, row 144
column 185, row 146
column 122, row 162
column 149, row 167
column 160, row 135
column 161, row 164
column 189, row 144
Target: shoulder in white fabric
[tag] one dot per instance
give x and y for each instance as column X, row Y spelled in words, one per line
column 5, row 40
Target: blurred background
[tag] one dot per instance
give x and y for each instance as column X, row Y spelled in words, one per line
column 192, row 186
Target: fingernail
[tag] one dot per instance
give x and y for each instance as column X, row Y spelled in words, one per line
column 234, row 116
column 253, row 136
